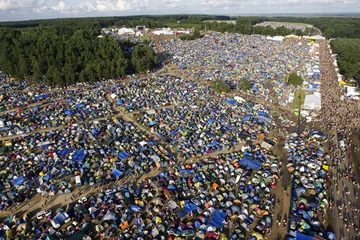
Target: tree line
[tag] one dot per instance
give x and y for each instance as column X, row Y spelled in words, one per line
column 67, row 54
column 348, row 51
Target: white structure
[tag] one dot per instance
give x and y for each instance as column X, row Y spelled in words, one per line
column 122, row 31
column 165, row 31
column 276, row 38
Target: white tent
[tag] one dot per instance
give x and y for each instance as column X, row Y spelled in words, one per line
column 126, row 31
column 163, row 32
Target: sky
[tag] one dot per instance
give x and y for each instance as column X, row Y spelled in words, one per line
column 11, row 10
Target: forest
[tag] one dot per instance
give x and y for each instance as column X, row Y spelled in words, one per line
column 69, row 54
column 349, row 56
column 68, row 50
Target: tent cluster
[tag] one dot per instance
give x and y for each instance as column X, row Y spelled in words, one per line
column 98, row 152
column 79, row 106
column 232, row 57
column 198, row 129
column 308, row 165
column 190, row 201
column 161, row 91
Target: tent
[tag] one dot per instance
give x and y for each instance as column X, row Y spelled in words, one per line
column 247, row 117
column 153, row 123
column 119, row 102
column 79, row 105
column 60, row 218
column 230, row 101
column 250, row 163
column 300, row 236
column 18, row 181
column 117, row 173
column 188, row 207
column 123, row 155
column 79, row 155
column 69, row 112
column 217, row 219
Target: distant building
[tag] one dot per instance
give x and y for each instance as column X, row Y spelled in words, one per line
column 140, row 28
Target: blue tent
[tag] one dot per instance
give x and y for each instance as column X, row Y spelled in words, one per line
column 80, row 105
column 18, row 181
column 70, row 99
column 123, row 155
column 117, row 173
column 152, row 123
column 64, row 152
column 60, row 218
column 186, row 171
column 188, row 207
column 217, row 219
column 230, row 101
column 48, row 177
column 69, row 112
column 213, row 144
column 173, row 132
column 263, row 114
column 250, row 163
column 300, row 236
column 247, row 117
column 119, row 102
column 210, row 121
column 79, row 155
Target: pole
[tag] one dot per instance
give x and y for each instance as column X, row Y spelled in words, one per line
column 298, row 130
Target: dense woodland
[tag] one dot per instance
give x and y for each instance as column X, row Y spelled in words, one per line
column 68, row 50
column 61, row 55
column 349, row 56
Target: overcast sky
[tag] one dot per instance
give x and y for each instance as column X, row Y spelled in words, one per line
column 38, row 9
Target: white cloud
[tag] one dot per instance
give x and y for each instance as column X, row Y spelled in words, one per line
column 27, row 9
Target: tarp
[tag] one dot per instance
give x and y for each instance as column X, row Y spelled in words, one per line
column 230, row 101
column 123, row 155
column 250, row 163
column 217, row 219
column 18, row 181
column 300, row 236
column 187, row 209
column 64, row 152
column 109, row 216
column 79, row 155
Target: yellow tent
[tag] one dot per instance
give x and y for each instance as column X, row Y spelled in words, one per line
column 342, row 83
column 258, row 236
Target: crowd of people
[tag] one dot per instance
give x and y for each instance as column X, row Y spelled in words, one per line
column 338, row 113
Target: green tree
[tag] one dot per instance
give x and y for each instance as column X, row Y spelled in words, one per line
column 295, row 80
column 219, row 86
column 244, row 84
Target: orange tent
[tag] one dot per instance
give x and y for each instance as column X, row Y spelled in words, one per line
column 214, row 186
